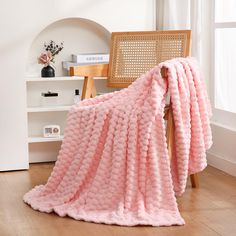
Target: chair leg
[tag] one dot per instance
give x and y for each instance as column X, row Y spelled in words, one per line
column 194, row 181
column 170, row 133
column 170, row 144
column 89, row 89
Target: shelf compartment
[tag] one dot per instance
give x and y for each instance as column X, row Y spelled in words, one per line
column 43, row 151
column 43, row 139
column 36, row 122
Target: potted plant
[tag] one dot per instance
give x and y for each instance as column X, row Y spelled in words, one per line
column 47, row 58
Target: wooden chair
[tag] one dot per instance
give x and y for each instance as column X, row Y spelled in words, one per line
column 132, row 54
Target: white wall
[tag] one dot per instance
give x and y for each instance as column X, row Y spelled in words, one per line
column 20, row 22
column 77, row 34
column 222, row 154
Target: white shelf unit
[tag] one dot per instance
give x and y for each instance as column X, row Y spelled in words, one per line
column 59, row 78
column 43, row 149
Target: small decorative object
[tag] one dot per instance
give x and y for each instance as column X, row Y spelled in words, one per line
column 51, row 131
column 49, row 98
column 47, row 58
column 77, row 96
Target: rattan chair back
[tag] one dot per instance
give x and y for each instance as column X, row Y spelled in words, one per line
column 134, row 53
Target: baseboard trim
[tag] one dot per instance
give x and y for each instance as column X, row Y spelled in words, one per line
column 221, row 164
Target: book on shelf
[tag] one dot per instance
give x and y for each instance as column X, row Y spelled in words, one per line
column 86, row 59
column 91, row 58
column 67, row 64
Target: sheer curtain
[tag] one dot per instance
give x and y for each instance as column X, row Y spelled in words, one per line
column 213, row 25
column 182, row 14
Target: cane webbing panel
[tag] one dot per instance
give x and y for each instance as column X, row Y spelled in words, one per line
column 134, row 53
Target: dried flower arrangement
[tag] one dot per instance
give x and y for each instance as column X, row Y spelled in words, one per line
column 51, row 50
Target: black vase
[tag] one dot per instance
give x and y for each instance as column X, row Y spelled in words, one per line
column 48, row 71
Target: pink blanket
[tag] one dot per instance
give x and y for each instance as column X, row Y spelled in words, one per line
column 113, row 166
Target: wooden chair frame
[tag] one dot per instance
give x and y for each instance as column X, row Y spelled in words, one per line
column 104, row 70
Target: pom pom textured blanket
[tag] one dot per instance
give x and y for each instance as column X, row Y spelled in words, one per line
column 113, row 166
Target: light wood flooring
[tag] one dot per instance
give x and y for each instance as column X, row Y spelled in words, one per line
column 209, row 210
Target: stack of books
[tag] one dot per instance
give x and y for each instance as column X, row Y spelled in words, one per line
column 86, row 59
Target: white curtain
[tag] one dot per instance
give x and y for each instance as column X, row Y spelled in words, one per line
column 182, row 14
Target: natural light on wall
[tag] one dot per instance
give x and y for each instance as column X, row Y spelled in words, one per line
column 225, row 55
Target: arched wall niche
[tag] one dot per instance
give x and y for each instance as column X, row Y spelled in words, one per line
column 79, row 35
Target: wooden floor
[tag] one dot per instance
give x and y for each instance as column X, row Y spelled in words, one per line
column 209, row 210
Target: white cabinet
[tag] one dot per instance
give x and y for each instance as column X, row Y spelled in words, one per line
column 43, row 149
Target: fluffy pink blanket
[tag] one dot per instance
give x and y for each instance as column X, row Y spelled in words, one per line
column 113, row 166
